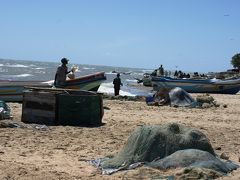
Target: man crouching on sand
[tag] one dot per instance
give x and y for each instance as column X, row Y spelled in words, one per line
column 160, row 98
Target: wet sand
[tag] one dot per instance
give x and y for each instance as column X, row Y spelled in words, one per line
column 61, row 152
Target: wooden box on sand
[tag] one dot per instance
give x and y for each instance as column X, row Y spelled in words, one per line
column 62, row 107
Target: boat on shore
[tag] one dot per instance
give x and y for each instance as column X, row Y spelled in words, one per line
column 12, row 91
column 217, row 86
column 147, row 80
column 89, row 82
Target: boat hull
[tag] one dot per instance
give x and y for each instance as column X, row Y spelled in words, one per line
column 12, row 91
column 198, row 85
column 89, row 82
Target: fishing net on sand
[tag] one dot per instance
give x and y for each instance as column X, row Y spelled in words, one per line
column 148, row 143
column 163, row 147
column 180, row 98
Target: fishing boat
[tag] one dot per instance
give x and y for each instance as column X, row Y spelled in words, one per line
column 147, row 80
column 218, row 86
column 89, row 82
column 13, row 90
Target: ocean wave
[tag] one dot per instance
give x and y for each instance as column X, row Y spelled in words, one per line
column 23, row 75
column 110, row 73
column 39, row 68
column 147, row 70
column 46, row 71
column 107, row 88
column 131, row 80
column 32, row 65
column 137, row 74
column 16, row 76
column 87, row 68
column 3, row 70
column 16, row 65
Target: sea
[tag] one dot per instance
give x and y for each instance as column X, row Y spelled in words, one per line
column 45, row 71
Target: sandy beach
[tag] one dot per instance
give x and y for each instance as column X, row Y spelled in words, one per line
column 61, row 152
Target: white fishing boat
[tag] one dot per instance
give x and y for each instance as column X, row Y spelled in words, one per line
column 13, row 90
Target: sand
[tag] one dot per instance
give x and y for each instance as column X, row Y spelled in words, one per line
column 61, row 152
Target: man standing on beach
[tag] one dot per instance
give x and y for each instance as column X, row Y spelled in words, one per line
column 117, row 83
column 160, row 71
column 61, row 74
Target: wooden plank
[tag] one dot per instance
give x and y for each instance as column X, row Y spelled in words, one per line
column 39, row 107
column 58, row 90
column 38, row 116
column 40, row 98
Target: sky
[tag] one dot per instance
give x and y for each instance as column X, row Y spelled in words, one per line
column 189, row 35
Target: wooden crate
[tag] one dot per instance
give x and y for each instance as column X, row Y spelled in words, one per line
column 76, row 110
column 62, row 107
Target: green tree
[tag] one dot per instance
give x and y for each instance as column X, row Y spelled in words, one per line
column 236, row 61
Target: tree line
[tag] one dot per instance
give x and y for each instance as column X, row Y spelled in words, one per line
column 236, row 61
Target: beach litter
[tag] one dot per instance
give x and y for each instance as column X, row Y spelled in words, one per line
column 4, row 110
column 163, row 147
column 16, row 124
column 206, row 101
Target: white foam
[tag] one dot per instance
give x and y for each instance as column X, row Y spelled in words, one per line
column 16, row 65
column 32, row 65
column 124, row 93
column 131, row 80
column 110, row 73
column 137, row 74
column 147, row 70
column 24, row 75
column 39, row 68
column 107, row 88
column 87, row 68
column 15, row 76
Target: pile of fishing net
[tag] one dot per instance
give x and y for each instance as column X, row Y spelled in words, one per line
column 160, row 146
column 178, row 97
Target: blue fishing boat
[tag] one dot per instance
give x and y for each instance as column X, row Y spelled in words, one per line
column 13, row 90
column 218, row 86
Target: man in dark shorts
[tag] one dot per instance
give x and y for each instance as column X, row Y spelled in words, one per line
column 117, row 83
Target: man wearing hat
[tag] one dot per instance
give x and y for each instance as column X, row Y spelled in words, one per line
column 61, row 74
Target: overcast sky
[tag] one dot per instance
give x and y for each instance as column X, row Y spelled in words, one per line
column 192, row 35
